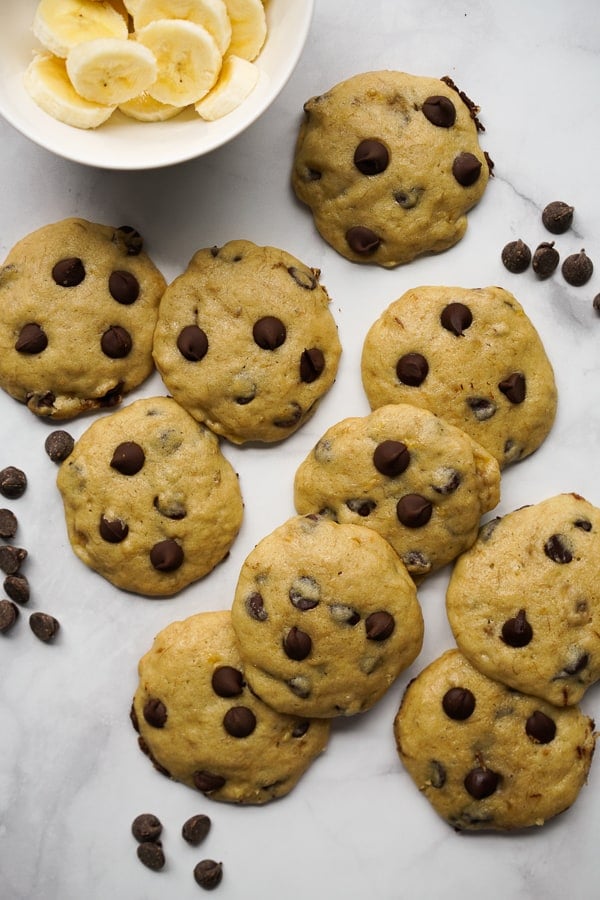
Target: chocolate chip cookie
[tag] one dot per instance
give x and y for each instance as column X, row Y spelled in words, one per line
column 326, row 616
column 245, row 341
column 485, row 756
column 403, row 471
column 470, row 355
column 389, row 164
column 524, row 601
column 78, row 306
column 201, row 725
column 150, row 501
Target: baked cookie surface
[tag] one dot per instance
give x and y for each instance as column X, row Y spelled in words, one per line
column 524, row 601
column 150, row 501
column 389, row 164
column 199, row 723
column 326, row 616
column 471, row 355
column 78, row 306
column 487, row 757
column 245, row 341
column 415, row 479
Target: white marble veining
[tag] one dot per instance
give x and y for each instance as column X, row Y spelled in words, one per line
column 71, row 775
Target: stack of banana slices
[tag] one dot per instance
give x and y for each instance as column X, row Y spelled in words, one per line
column 148, row 58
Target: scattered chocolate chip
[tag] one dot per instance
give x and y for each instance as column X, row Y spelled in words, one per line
column 130, row 239
column 413, row 510
column 312, row 364
column 68, row 272
column 577, row 269
column 11, row 558
column 239, row 721
column 456, row 317
column 116, row 342
column 412, row 369
column 8, row 524
column 517, row 632
column 466, row 168
column 207, row 782
column 297, row 644
column 513, row 387
column 269, row 333
column 305, row 593
column 128, row 458
column 371, row 157
column 13, row 482
column 59, row 445
column 360, row 506
column 195, row 829
column 151, row 854
column 440, row 111
column 379, row 626
column 123, row 287
column 458, row 703
column 32, row 339
column 227, row 681
column 113, row 531
column 391, row 458
column 9, row 613
column 545, row 259
column 481, row 782
column 558, row 216
column 540, row 727
column 192, row 343
column 482, row 408
column 44, row 626
column 596, row 303
column 255, row 607
column 304, row 279
column 557, row 550
column 146, row 827
column 155, row 712
column 208, row 873
column 166, row 556
column 516, row 256
column 362, row 240
column 17, row 588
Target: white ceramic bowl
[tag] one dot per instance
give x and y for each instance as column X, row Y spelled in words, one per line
column 123, row 143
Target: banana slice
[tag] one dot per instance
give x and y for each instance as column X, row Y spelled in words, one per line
column 145, row 108
column 212, row 14
column 187, row 58
column 236, row 80
column 59, row 25
column 48, row 84
column 111, row 71
column 248, row 27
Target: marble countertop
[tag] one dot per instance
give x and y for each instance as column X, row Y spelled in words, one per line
column 71, row 776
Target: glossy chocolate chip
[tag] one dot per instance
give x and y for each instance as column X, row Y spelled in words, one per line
column 195, row 829
column 577, row 269
column 9, row 613
column 130, row 239
column 391, row 458
column 481, row 783
column 456, row 317
column 44, row 626
column 155, row 712
column 146, row 827
column 517, row 632
column 152, row 855
column 269, row 333
column 516, row 256
column 371, row 157
column 59, row 445
column 68, row 272
column 362, row 240
column 303, row 278
column 557, row 216
column 413, row 510
column 412, row 369
column 513, row 387
column 13, row 482
column 255, row 607
column 113, row 531
column 440, row 111
column 466, row 168
column 305, row 593
column 556, row 548
column 32, row 339
column 207, row 782
column 540, row 727
column 116, row 342
column 227, row 681
column 545, row 259
column 297, row 644
column 192, row 343
column 312, row 364
column 166, row 556
column 239, row 721
column 208, row 873
column 379, row 626
column 458, row 703
column 482, row 408
column 128, row 458
column 123, row 287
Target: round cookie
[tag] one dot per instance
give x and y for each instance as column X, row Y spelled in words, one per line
column 415, row 479
column 389, row 164
column 524, row 601
column 150, row 501
column 245, row 341
column 201, row 725
column 79, row 303
column 470, row 355
column 485, row 756
column 326, row 616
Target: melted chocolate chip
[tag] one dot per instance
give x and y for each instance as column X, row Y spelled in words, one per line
column 128, row 458
column 208, row 873
column 130, row 239
column 517, row 632
column 412, row 369
column 450, row 483
column 146, row 827
column 466, row 168
column 123, row 287
column 391, row 458
column 269, row 333
column 513, row 387
column 116, row 342
column 290, row 420
column 227, row 681
column 44, row 626
column 113, row 530
column 192, row 343
column 32, row 339
column 300, row 729
column 584, row 524
column 297, row 644
column 155, row 712
column 545, row 259
column 170, row 508
column 557, row 550
column 344, row 615
column 413, row 510
column 440, row 111
column 456, row 317
column 458, row 703
column 577, row 269
column 481, row 783
column 303, row 278
column 379, row 626
column 408, row 199
column 482, row 408
column 239, row 721
column 557, row 216
column 68, row 272
column 540, row 727
column 577, row 666
column 207, row 782
column 195, row 829
column 300, row 686
column 516, row 256
column 166, row 556
column 312, row 364
column 255, row 607
column 360, row 506
column 371, row 157
column 362, row 240
column 305, row 593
